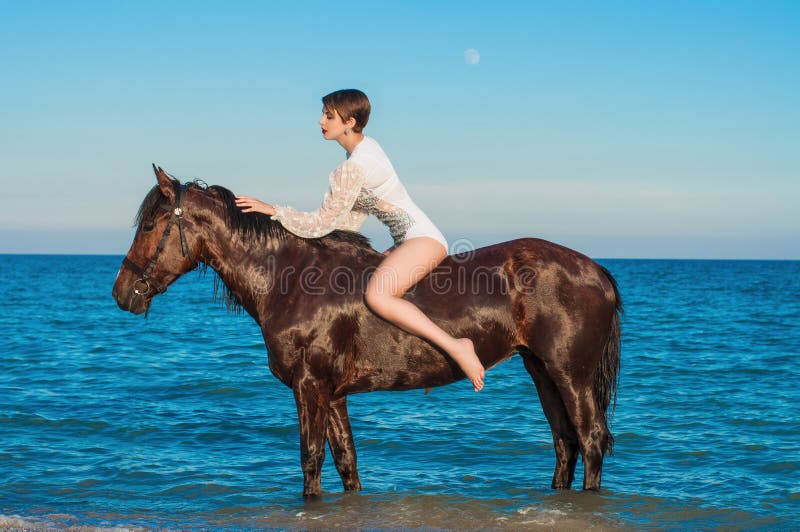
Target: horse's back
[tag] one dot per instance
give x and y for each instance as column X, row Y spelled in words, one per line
column 523, row 260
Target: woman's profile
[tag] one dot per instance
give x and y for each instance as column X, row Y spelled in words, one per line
column 366, row 183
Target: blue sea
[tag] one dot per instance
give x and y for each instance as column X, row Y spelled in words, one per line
column 112, row 420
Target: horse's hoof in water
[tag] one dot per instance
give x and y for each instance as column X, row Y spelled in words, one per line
column 353, row 487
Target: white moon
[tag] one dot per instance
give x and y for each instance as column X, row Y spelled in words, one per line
column 471, row 56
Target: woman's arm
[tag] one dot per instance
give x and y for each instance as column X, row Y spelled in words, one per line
column 248, row 204
column 345, row 184
column 354, row 220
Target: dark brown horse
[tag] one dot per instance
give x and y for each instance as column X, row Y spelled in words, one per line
column 555, row 307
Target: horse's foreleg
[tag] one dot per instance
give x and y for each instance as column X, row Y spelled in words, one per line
column 565, row 441
column 343, row 449
column 313, row 404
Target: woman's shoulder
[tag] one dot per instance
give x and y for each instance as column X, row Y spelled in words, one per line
column 372, row 145
column 368, row 152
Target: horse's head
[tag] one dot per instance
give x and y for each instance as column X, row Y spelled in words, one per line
column 163, row 248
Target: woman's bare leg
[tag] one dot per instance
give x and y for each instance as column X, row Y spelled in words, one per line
column 400, row 270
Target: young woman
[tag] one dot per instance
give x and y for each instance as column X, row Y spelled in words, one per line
column 366, row 183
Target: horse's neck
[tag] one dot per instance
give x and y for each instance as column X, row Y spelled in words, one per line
column 252, row 270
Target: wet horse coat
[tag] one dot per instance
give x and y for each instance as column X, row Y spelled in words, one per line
column 555, row 307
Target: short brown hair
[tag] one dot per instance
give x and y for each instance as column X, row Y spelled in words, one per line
column 349, row 103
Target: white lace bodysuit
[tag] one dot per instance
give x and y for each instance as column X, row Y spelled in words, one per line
column 364, row 184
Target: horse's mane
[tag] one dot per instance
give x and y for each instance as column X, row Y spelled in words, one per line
column 258, row 227
column 254, row 227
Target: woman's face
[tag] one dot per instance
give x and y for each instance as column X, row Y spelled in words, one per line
column 331, row 124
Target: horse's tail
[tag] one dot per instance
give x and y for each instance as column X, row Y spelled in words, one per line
column 606, row 376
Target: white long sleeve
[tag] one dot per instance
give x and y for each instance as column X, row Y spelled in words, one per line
column 336, row 211
column 354, row 220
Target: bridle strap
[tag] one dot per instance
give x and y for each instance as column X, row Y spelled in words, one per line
column 135, row 268
column 145, row 283
column 184, row 245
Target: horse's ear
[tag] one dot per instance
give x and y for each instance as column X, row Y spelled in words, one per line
column 164, row 183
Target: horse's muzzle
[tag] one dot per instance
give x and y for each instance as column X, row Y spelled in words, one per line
column 133, row 299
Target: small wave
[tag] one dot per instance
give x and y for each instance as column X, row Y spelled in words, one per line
column 194, row 491
column 781, row 467
column 57, row 522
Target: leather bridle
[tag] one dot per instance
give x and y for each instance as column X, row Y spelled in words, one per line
column 145, row 284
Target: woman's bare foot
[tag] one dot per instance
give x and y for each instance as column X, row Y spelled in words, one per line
column 463, row 352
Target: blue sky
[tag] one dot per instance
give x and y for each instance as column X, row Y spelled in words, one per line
column 622, row 129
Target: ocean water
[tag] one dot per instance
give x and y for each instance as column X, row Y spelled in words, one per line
column 112, row 420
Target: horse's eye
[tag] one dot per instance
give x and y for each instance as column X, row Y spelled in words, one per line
column 147, row 228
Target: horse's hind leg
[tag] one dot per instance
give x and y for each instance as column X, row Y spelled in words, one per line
column 340, row 441
column 565, row 441
column 577, row 394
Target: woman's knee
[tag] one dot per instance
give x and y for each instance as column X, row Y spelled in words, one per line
column 382, row 283
column 374, row 297
column 372, row 293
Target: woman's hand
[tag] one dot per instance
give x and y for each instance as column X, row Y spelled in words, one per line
column 248, row 204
